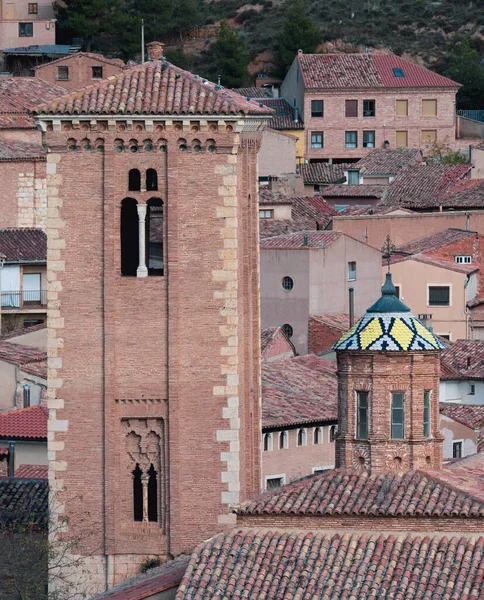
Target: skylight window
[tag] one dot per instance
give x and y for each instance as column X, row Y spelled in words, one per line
column 398, row 73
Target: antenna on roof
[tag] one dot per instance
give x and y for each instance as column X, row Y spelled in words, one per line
column 142, row 41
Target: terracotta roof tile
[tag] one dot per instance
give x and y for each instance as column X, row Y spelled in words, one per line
column 24, row 502
column 354, row 191
column 301, row 239
column 471, row 415
column 15, row 150
column 464, row 359
column 423, row 186
column 323, row 173
column 285, row 114
column 32, row 472
column 23, row 244
column 19, row 354
column 292, row 565
column 388, row 161
column 254, row 92
column 299, row 390
column 337, row 321
column 16, row 122
column 349, row 492
column 369, row 71
column 268, row 335
column 441, row 263
column 468, row 193
column 435, row 241
column 39, row 369
column 154, row 88
column 24, row 423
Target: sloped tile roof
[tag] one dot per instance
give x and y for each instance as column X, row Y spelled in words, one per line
column 32, row 472
column 468, row 193
column 323, row 173
column 20, row 354
column 16, row 150
column 441, row 263
column 285, row 114
column 337, row 321
column 367, row 71
column 267, row 196
column 299, row 390
column 270, row 334
column 23, row 244
column 154, row 581
column 154, row 88
column 388, row 161
column 423, row 186
column 308, row 565
column 435, row 241
column 354, row 191
column 465, row 358
column 301, row 239
column 350, row 492
column 16, row 122
column 24, row 502
column 24, row 423
column 39, row 369
column 254, row 92
column 471, row 415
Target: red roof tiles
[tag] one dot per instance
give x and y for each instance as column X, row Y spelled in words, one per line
column 156, row 87
column 19, row 354
column 24, row 423
column 301, row 239
column 354, row 191
column 15, row 150
column 270, row 335
column 299, row 390
column 349, row 492
column 32, row 472
column 356, row 71
column 23, row 244
column 323, row 173
column 464, row 359
column 289, row 565
column 285, row 114
column 388, row 161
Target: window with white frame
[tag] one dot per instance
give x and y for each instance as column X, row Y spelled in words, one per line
column 267, row 439
column 265, row 213
column 283, row 440
column 465, row 259
column 368, row 139
column 351, row 139
column 302, row 437
column 317, row 435
column 333, row 430
column 352, row 271
column 457, row 449
column 471, row 389
column 317, row 139
column 319, row 470
column 275, row 481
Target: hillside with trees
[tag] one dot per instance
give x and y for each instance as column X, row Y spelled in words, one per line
column 446, row 35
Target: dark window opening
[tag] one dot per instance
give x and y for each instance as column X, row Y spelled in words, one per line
column 152, row 495
column 439, row 295
column 351, row 139
column 457, row 450
column 151, row 180
column 134, row 184
column 332, row 433
column 351, row 108
column 129, row 237
column 398, row 417
column 272, row 483
column 288, row 330
column 353, row 177
column 26, row 396
column 317, row 108
column 362, row 416
column 137, row 495
column 154, row 236
column 368, row 139
column 97, row 72
column 426, row 419
column 33, row 8
column 25, row 29
column 368, row 108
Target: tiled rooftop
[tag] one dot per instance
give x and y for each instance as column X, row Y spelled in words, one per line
column 23, row 244
column 323, row 173
column 270, row 334
column 422, row 186
column 441, row 263
column 354, row 191
column 299, row 390
column 435, row 241
column 116, row 62
column 337, row 321
column 388, row 161
column 369, row 71
column 32, row 472
column 291, row 565
column 301, row 239
column 154, row 581
column 468, row 193
column 156, row 87
column 285, row 114
column 268, row 196
column 19, row 354
column 38, row 369
column 15, row 150
column 471, row 415
column 465, row 359
column 254, row 92
column 24, row 423
column 24, row 502
column 349, row 492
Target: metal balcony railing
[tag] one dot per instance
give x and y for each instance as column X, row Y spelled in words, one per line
column 23, row 300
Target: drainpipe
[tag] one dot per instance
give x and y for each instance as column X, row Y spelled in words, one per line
column 351, row 294
column 11, row 459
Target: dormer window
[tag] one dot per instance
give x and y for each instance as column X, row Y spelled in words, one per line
column 398, row 73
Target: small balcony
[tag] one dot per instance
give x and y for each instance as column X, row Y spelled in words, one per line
column 28, row 300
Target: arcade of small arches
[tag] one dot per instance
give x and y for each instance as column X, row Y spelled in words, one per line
column 134, row 146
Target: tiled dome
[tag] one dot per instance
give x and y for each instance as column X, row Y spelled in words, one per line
column 388, row 325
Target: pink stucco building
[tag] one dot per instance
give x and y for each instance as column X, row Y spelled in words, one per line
column 25, row 23
column 351, row 103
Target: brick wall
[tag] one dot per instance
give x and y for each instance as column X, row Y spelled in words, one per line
column 23, row 201
column 323, row 335
column 182, row 349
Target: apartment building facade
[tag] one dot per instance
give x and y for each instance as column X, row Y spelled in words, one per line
column 25, row 23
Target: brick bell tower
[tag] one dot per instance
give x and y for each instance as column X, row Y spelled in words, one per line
column 153, row 269
column 388, row 386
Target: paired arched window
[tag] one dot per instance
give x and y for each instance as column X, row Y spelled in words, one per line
column 129, row 237
column 145, row 494
column 318, row 435
column 151, row 180
column 154, row 236
column 134, row 180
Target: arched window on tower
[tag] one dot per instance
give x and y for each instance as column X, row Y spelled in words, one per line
column 152, row 495
column 129, row 237
column 134, row 183
column 154, row 236
column 137, row 495
column 151, row 180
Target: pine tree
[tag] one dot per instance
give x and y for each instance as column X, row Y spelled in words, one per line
column 466, row 68
column 228, row 57
column 299, row 32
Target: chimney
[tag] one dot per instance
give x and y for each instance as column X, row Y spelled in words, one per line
column 11, row 459
column 155, row 50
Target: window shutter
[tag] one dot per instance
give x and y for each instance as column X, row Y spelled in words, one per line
column 402, row 108
column 401, row 138
column 429, row 108
column 439, row 295
column 351, row 108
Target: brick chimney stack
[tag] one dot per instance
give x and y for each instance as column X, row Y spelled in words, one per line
column 155, row 50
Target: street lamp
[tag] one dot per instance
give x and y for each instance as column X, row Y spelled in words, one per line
column 2, row 262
